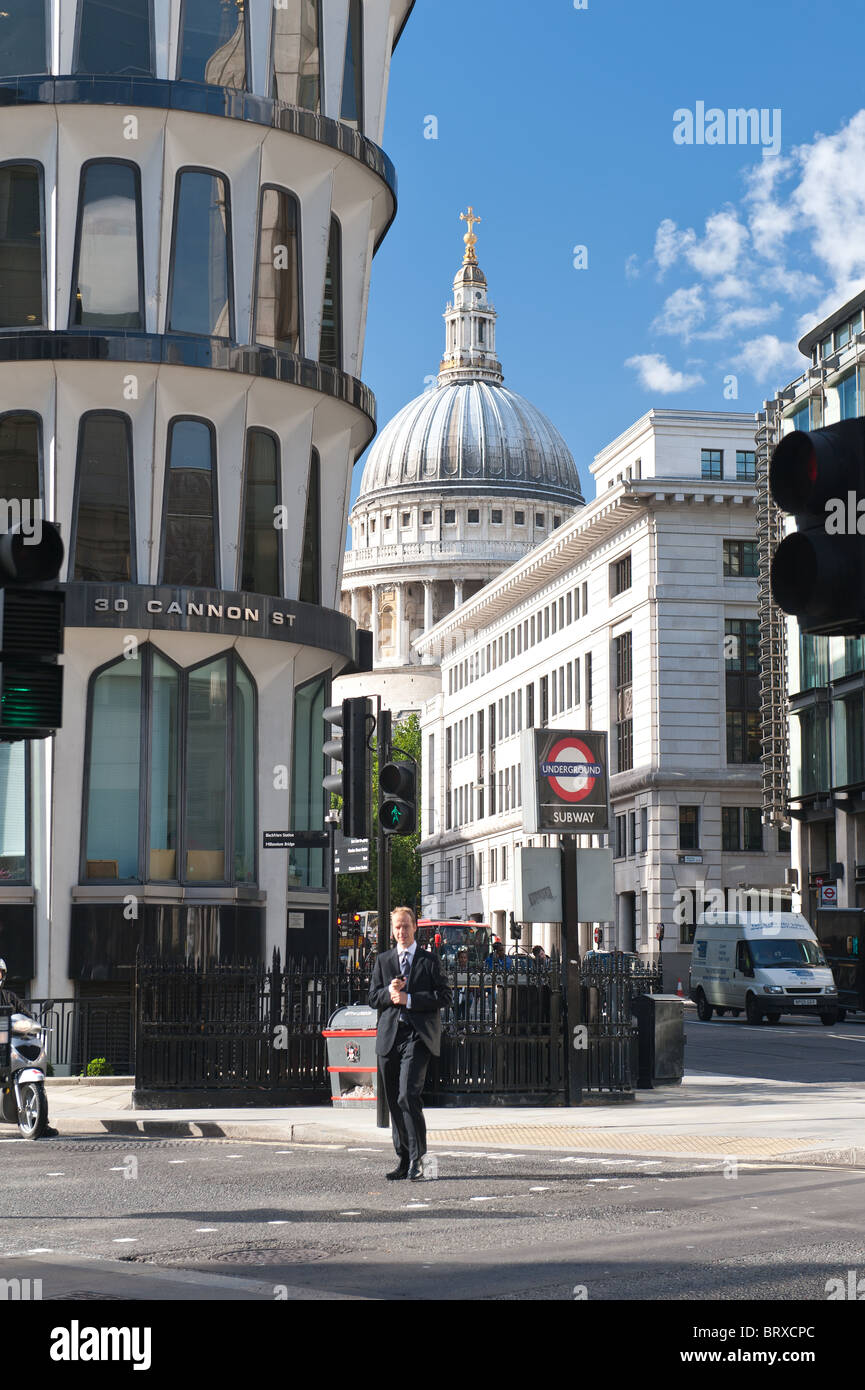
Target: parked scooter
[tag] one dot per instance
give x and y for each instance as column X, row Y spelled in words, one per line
column 22, row 1088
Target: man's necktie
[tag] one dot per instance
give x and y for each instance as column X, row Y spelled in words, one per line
column 403, row 962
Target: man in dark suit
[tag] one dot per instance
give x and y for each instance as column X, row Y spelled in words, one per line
column 408, row 989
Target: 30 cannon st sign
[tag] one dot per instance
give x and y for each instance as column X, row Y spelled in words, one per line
column 565, row 781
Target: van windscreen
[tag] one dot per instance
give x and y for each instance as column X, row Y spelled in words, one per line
column 784, row 954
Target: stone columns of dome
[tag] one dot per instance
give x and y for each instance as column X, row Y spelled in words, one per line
column 373, row 594
column 458, row 592
column 355, row 605
column 401, row 644
column 427, row 605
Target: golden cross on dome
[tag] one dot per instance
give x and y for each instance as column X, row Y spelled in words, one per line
column 470, row 239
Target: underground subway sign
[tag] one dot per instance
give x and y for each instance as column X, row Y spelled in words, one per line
column 565, row 780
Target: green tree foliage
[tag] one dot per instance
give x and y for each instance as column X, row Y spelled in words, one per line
column 359, row 892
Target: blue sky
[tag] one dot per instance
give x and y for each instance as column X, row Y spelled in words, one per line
column 705, row 260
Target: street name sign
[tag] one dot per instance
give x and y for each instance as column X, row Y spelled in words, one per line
column 352, row 856
column 295, row 839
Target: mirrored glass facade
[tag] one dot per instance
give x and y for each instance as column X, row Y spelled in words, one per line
column 115, row 36
column 297, row 54
column 213, row 42
column 23, row 37
column 277, row 306
column 21, row 246
column 103, row 519
column 201, row 257
column 107, row 286
column 260, row 565
column 189, row 530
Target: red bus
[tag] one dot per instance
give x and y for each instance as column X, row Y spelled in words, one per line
column 448, row 937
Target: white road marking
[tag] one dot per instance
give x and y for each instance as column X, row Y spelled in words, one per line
column 539, row 1189
column 482, row 1199
column 200, row 1230
column 351, row 1151
column 55, row 1175
column 277, row 1223
column 349, row 1213
column 600, row 1179
column 624, row 1187
column 414, row 1206
column 177, row 1160
column 41, row 1250
column 124, row 1240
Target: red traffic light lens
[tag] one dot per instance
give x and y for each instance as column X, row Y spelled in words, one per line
column 793, row 472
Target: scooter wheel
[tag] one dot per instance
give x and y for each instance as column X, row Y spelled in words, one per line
column 33, row 1115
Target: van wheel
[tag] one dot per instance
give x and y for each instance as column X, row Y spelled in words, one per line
column 842, row 1014
column 773, row 1018
column 704, row 1008
column 720, row 1012
column 828, row 1020
column 753, row 1012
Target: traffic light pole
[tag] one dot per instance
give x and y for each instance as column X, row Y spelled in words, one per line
column 383, row 742
column 332, row 821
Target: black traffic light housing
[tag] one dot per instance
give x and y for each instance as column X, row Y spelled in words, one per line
column 31, row 635
column 352, row 719
column 818, row 571
column 398, row 802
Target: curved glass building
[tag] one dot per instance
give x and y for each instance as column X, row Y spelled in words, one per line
column 191, row 194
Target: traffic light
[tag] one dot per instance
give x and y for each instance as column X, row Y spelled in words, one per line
column 352, row 721
column 398, row 811
column 818, row 571
column 31, row 635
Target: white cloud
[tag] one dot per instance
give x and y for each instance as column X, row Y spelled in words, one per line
column 632, row 267
column 830, row 198
column 656, row 375
column 768, row 357
column 670, row 243
column 734, row 320
column 682, row 312
column 719, row 251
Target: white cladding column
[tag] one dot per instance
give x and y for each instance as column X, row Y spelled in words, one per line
column 458, row 592
column 355, row 606
column 427, row 604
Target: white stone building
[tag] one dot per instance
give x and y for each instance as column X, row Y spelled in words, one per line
column 637, row 615
column 461, row 483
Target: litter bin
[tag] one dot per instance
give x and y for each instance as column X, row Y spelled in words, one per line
column 351, row 1059
column 661, row 1032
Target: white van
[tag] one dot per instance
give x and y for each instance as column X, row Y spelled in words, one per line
column 762, row 963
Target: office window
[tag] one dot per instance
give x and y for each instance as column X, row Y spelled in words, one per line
column 351, row 110
column 740, row 559
column 731, row 838
column 21, row 457
column 470, row 871
column 644, row 830
column 848, row 395
column 108, row 278
column 621, row 837
column 585, row 598
column 632, row 832
column 504, row 863
column 310, row 575
column 620, row 575
column 297, row 53
column 23, row 37
column 306, row 868
column 14, row 800
column 114, row 36
column 21, row 244
column 545, row 701
column 330, row 348
column 202, row 720
column 576, row 680
column 459, row 875
column 743, row 736
column 449, row 876
column 431, row 880
column 200, row 294
column 784, row 840
column 712, row 463
column 588, row 667
column 277, row 295
column 260, row 558
column 752, row 828
column 189, row 546
column 103, row 513
column 213, row 43
column 746, row 466
column 689, row 827
column 622, row 648
column 742, row 646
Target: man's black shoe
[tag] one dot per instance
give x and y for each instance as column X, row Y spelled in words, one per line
column 401, row 1172
column 415, row 1171
column 50, row 1133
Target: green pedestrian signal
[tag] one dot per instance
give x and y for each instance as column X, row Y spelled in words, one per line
column 398, row 786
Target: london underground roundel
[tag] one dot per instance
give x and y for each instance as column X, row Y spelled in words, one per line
column 571, row 768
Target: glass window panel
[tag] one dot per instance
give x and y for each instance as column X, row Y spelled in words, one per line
column 213, row 42
column 13, row 812
column 260, row 565
column 189, row 555
column 310, row 577
column 206, row 772
column 753, row 828
column 848, row 399
column 243, row 778
column 352, row 77
column 330, row 352
column 201, row 257
column 107, row 290
column 297, row 54
column 20, row 439
column 21, row 239
column 277, row 309
column 103, row 529
column 23, row 38
column 164, row 770
column 306, row 867
column 115, row 36
column 113, row 795
column 814, row 759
